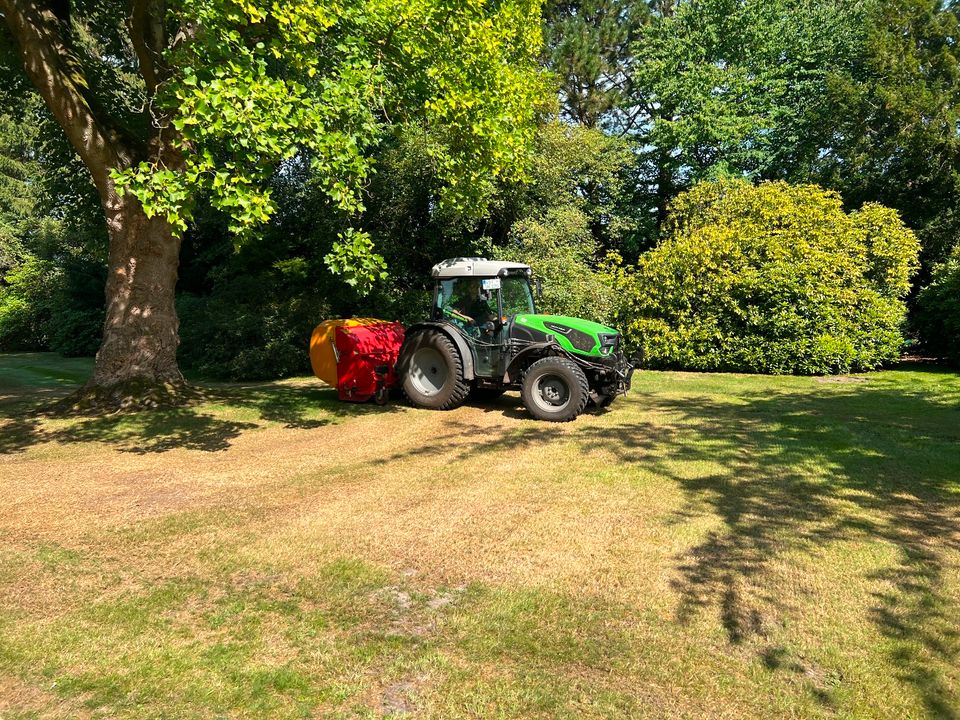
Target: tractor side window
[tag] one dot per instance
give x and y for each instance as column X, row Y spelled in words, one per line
column 517, row 298
column 464, row 302
column 444, row 296
column 454, row 297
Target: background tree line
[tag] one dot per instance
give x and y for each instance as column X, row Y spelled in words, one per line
column 669, row 189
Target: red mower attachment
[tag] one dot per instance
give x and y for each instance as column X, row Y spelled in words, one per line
column 358, row 356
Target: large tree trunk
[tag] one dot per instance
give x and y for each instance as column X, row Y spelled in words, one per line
column 140, row 335
column 137, row 361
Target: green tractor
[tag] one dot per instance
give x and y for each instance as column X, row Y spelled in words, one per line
column 484, row 337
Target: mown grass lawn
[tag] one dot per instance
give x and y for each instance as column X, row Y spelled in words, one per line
column 713, row 546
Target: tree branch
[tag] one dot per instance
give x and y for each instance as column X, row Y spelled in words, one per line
column 45, row 54
column 149, row 41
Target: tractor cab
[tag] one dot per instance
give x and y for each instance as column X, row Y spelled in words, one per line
column 481, row 297
column 476, row 293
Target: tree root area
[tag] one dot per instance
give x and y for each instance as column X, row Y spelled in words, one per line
column 128, row 396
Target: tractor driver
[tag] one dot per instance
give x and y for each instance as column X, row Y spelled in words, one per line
column 471, row 304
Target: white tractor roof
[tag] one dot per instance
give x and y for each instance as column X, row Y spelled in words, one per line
column 475, row 267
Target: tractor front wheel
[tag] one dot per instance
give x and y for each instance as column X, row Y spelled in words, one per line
column 555, row 389
column 432, row 371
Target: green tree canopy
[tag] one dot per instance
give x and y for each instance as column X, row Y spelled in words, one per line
column 939, row 309
column 588, row 45
column 735, row 87
column 895, row 121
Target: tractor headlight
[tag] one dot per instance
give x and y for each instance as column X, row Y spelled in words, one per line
column 609, row 343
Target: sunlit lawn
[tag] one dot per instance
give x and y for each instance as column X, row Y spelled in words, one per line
column 713, row 546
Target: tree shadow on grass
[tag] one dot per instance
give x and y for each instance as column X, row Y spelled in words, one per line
column 155, row 431
column 198, row 424
column 800, row 471
column 788, row 474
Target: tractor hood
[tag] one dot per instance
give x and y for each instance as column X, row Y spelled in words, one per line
column 576, row 335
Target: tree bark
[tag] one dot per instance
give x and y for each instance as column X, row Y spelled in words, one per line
column 141, row 331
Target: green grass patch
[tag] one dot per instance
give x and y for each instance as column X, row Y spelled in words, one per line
column 35, row 371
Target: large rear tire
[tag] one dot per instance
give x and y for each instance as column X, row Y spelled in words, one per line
column 432, row 371
column 555, row 389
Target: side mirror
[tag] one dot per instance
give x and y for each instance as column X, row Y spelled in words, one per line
column 538, row 287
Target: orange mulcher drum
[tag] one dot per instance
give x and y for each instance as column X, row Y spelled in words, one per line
column 358, row 356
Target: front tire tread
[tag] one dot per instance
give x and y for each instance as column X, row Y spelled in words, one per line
column 578, row 386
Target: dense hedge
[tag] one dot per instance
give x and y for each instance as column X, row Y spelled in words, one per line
column 773, row 279
column 52, row 306
column 938, row 316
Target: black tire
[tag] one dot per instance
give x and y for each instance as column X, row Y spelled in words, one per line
column 432, row 371
column 555, row 389
column 485, row 395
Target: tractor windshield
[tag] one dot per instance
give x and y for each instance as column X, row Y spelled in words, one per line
column 517, row 298
column 471, row 302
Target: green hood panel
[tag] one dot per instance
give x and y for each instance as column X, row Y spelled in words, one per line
column 572, row 341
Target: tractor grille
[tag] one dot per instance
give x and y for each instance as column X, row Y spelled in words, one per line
column 580, row 340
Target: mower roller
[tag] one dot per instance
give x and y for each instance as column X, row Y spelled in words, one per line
column 483, row 337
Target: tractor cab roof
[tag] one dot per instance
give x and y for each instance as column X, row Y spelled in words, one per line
column 476, row 267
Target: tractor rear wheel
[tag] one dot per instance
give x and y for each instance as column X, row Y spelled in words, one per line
column 433, row 371
column 555, row 389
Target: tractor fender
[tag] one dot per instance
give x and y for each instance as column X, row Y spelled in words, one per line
column 466, row 354
column 521, row 359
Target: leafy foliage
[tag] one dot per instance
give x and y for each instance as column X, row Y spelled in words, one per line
column 25, row 305
column 16, row 197
column 51, row 285
column 238, row 333
column 560, row 248
column 774, row 279
column 588, row 46
column 48, row 304
column 264, row 82
column 352, row 256
column 583, row 168
column 735, row 88
column 894, row 121
column 939, row 309
column 576, row 207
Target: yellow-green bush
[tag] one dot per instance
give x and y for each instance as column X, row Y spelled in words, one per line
column 773, row 279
